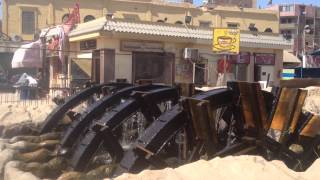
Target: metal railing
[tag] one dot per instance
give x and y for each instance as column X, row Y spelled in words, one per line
column 15, row 98
column 37, row 98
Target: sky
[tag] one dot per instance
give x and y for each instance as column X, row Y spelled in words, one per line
column 263, row 3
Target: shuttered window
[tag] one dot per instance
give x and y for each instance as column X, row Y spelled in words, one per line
column 28, row 22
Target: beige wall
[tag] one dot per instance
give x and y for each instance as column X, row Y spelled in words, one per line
column 123, row 59
column 50, row 12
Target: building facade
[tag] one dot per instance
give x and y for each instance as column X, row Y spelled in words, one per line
column 130, row 40
column 240, row 3
column 301, row 24
column 25, row 18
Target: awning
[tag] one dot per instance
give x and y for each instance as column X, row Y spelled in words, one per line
column 27, row 56
column 84, row 37
column 88, row 27
column 290, row 58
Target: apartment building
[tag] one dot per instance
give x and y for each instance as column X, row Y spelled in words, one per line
column 301, row 24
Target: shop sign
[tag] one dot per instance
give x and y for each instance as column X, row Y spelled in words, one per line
column 312, row 61
column 264, row 59
column 141, row 46
column 241, row 58
column 226, row 41
column 88, row 44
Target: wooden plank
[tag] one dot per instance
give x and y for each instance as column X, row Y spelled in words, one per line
column 204, row 124
column 285, row 109
column 247, row 108
column 254, row 107
column 298, row 109
column 200, row 118
column 312, row 128
column 300, row 83
column 187, row 89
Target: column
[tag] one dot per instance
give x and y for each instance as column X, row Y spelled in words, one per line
column 5, row 16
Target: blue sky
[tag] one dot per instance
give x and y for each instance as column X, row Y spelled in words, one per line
column 263, row 3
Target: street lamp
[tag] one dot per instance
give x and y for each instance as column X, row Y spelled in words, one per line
column 306, row 30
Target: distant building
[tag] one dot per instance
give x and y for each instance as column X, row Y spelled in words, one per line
column 300, row 24
column 240, row 3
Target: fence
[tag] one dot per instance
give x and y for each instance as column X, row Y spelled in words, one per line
column 25, row 98
column 15, row 98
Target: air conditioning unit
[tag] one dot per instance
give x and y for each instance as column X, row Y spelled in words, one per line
column 191, row 54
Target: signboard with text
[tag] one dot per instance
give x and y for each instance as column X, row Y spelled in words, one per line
column 264, row 59
column 241, row 58
column 226, row 41
column 141, row 46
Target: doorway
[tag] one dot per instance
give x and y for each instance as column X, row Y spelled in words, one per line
column 103, row 66
column 263, row 73
column 158, row 67
column 200, row 74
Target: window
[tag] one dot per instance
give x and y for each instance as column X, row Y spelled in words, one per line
column 160, row 21
column 269, row 30
column 287, row 34
column 309, row 21
column 233, row 25
column 178, row 22
column 65, row 18
column 253, row 28
column 204, row 24
column 28, row 22
column 88, row 18
column 286, row 8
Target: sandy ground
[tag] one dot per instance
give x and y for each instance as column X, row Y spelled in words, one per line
column 17, row 113
column 239, row 167
column 312, row 101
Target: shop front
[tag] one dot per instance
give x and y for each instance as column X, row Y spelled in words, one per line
column 153, row 51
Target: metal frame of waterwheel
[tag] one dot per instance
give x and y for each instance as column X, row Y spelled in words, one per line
column 96, row 111
column 57, row 114
column 157, row 136
column 103, row 132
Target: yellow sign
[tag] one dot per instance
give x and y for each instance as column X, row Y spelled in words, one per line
column 226, row 41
